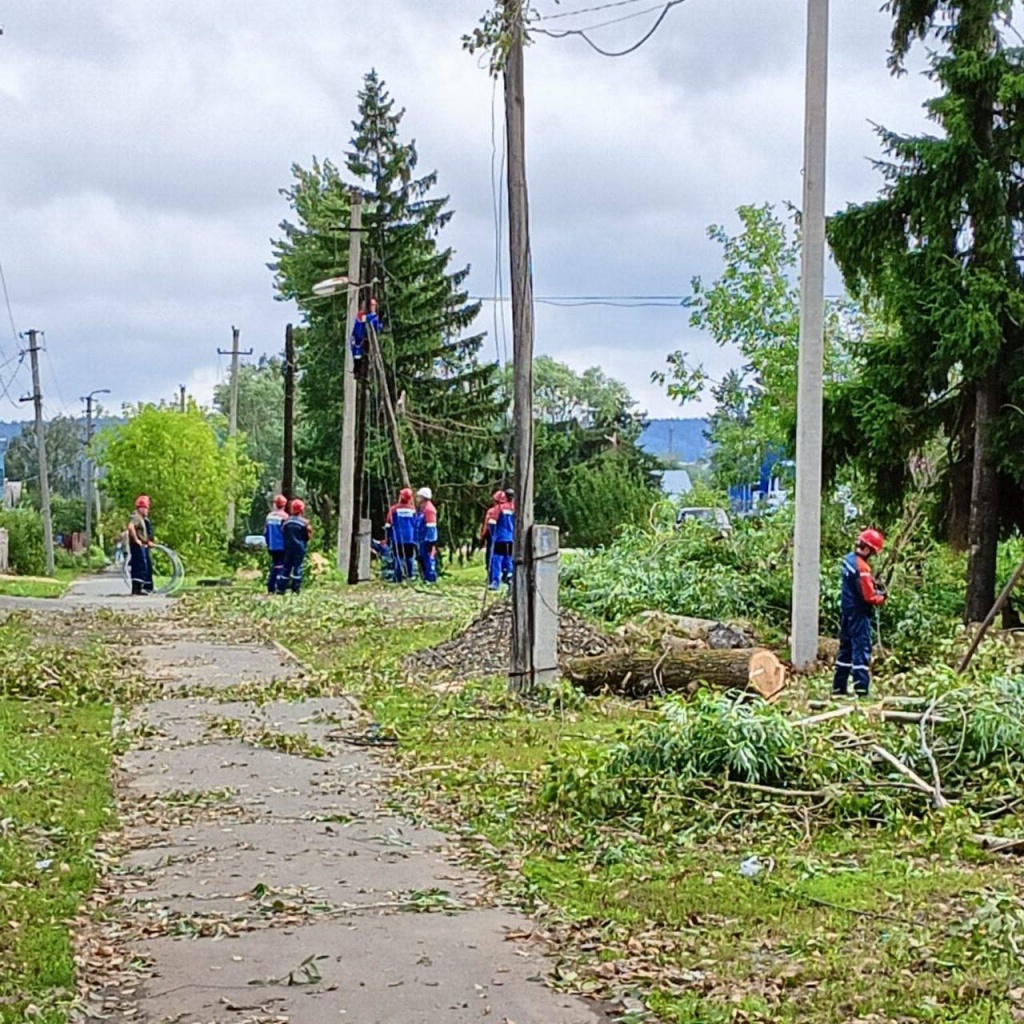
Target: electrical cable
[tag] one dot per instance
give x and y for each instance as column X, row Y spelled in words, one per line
column 582, row 33
column 586, row 10
column 176, row 579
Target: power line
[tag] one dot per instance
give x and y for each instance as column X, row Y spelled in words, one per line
column 7, row 300
column 611, row 21
column 586, row 10
column 582, row 33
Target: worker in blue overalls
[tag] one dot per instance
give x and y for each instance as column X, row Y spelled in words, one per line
column 426, row 534
column 297, row 534
column 365, row 322
column 401, row 526
column 273, row 534
column 859, row 598
column 500, row 532
column 140, row 543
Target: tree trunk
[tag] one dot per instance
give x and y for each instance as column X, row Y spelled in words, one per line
column 984, row 528
column 636, row 674
column 961, row 471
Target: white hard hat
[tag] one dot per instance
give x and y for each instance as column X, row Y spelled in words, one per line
column 425, row 492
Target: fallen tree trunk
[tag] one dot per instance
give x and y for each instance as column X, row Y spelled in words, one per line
column 635, row 674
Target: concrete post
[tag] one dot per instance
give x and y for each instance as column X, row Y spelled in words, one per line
column 544, row 596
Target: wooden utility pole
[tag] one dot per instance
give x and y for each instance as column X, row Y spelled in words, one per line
column 89, row 469
column 809, row 406
column 288, row 464
column 521, row 674
column 389, row 406
column 44, row 470
column 233, row 412
column 181, row 397
column 347, row 489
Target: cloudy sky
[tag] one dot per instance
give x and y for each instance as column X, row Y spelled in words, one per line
column 143, row 146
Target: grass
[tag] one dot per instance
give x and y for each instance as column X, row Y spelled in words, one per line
column 856, row 922
column 55, row 796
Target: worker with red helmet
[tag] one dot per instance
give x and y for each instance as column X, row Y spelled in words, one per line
column 273, row 534
column 859, row 597
column 297, row 534
column 426, row 534
column 140, row 541
column 499, row 533
column 401, row 528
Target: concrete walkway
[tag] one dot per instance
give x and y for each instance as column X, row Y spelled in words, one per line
column 104, row 590
column 260, row 877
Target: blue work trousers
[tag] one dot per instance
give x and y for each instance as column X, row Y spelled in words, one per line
column 428, row 561
column 276, row 568
column 854, row 658
column 405, row 562
column 291, row 570
column 140, row 563
column 499, row 569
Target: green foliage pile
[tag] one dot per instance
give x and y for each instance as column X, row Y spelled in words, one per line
column 26, row 552
column 188, row 471
column 726, row 750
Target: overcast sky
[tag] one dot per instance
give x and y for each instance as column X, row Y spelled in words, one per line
column 142, row 147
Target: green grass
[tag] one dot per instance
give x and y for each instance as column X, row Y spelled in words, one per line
column 13, row 586
column 855, row 923
column 55, row 796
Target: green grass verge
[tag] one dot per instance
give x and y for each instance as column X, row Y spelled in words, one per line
column 55, row 796
column 14, row 586
column 855, row 923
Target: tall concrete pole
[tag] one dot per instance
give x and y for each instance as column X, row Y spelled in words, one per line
column 44, row 470
column 288, row 461
column 522, row 670
column 90, row 470
column 807, row 540
column 233, row 413
column 347, row 479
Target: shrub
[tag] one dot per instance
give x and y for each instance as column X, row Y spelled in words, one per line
column 25, row 547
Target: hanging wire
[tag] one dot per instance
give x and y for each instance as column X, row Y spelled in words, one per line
column 582, row 33
column 586, row 10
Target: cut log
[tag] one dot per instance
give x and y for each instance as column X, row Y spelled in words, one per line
column 635, row 674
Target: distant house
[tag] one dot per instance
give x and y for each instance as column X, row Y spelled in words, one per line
column 676, row 482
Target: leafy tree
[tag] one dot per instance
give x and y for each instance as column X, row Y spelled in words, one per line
column 448, row 400
column 64, row 438
column 261, row 424
column 939, row 252
column 177, row 459
column 755, row 305
column 25, row 549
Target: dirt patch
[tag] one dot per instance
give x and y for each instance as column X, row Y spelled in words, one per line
column 482, row 648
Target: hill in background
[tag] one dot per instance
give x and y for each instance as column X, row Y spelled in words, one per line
column 680, row 440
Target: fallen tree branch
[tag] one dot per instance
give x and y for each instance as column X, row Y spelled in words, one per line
column 756, row 787
column 997, row 844
column 919, row 783
column 940, row 800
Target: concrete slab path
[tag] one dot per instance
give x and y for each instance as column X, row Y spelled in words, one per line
column 261, row 877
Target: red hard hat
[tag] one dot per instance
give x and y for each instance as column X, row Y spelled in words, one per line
column 142, row 501
column 280, row 501
column 405, row 494
column 298, row 507
column 500, row 496
column 872, row 539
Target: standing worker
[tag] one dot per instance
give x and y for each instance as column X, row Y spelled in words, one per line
column 426, row 534
column 297, row 534
column 499, row 532
column 490, row 524
column 140, row 541
column 401, row 527
column 273, row 534
column 859, row 597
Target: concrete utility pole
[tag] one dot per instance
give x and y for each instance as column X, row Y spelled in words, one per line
column 181, row 397
column 288, row 463
column 807, row 539
column 522, row 669
column 44, row 470
column 347, row 510
column 233, row 411
column 89, row 465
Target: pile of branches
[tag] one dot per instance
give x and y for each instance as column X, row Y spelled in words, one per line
column 959, row 743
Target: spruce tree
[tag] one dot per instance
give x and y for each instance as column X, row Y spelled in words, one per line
column 939, row 252
column 448, row 400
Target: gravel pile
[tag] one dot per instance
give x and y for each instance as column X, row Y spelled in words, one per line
column 482, row 648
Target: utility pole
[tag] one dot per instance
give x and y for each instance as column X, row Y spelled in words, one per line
column 181, row 397
column 522, row 669
column 44, row 470
column 233, row 412
column 89, row 466
column 807, row 538
column 347, row 489
column 288, row 465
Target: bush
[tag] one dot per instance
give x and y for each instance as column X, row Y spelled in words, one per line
column 26, row 550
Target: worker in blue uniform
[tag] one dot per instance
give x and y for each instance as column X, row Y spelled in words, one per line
column 365, row 322
column 499, row 532
column 297, row 535
column 426, row 534
column 273, row 534
column 401, row 526
column 859, row 598
column 140, row 544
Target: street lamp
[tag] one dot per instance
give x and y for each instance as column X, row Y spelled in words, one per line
column 88, row 466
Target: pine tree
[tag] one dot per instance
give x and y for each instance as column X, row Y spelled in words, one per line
column 448, row 399
column 938, row 252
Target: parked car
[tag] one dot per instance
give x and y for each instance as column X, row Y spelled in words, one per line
column 715, row 517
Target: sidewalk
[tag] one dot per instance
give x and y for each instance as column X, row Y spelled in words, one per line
column 259, row 885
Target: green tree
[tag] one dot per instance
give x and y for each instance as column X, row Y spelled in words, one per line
column 755, row 306
column 939, row 252
column 450, row 409
column 261, row 426
column 177, row 459
column 64, row 438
